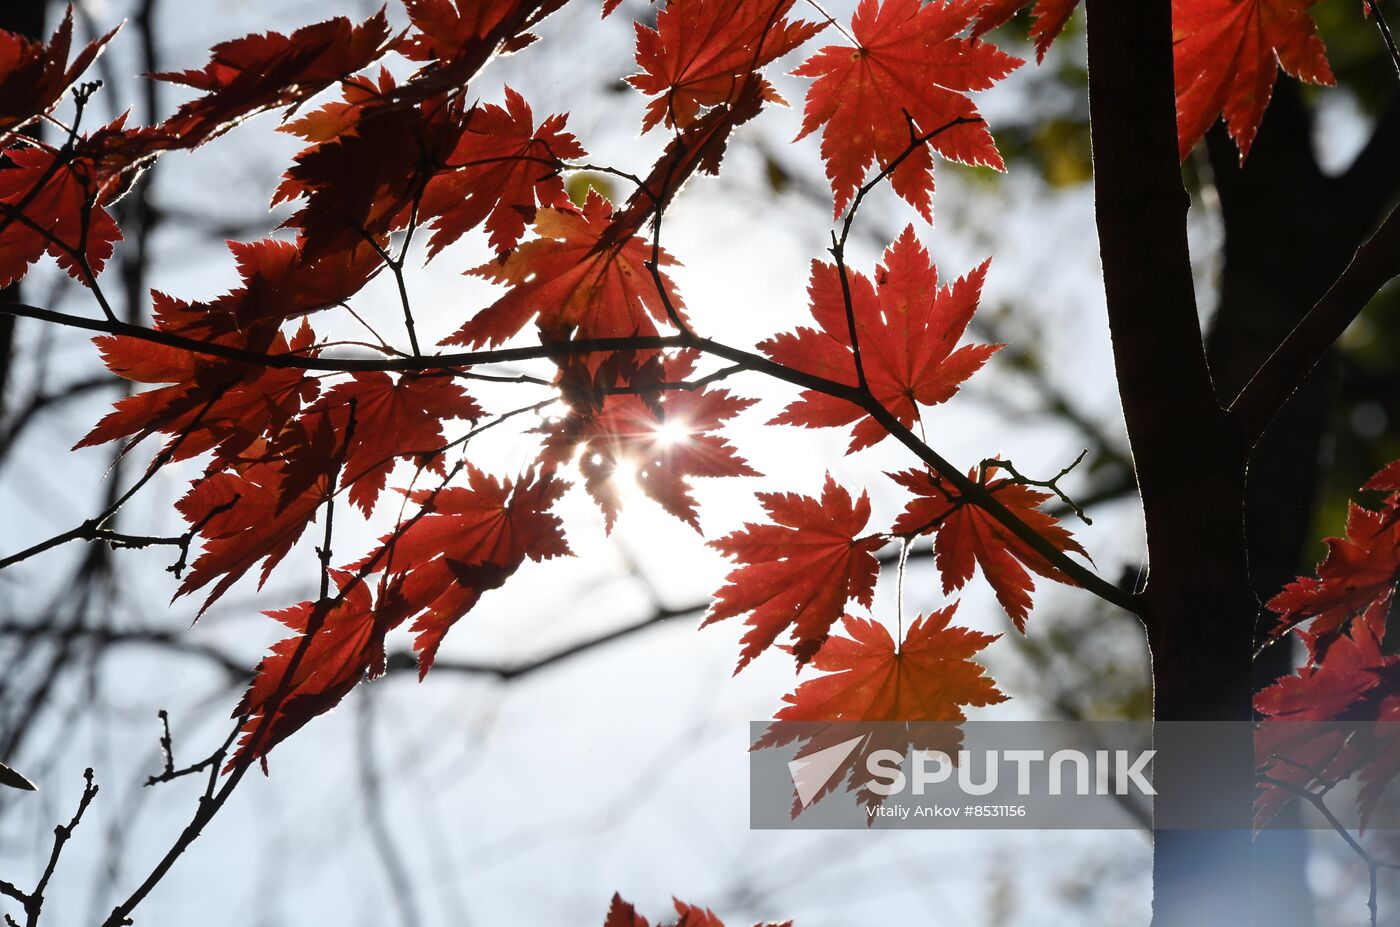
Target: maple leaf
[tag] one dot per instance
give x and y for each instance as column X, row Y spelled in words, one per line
column 346, row 646
column 701, row 51
column 502, row 169
column 1358, row 570
column 47, row 203
column 1334, row 718
column 623, row 914
column 577, row 278
column 929, row 677
column 457, row 36
column 800, row 572
column 245, row 518
column 392, row 419
column 661, row 438
column 907, row 77
column 364, row 184
column 923, row 684
column 263, row 71
column 1049, row 16
column 211, row 403
column 470, row 540
column 359, row 96
column 907, row 326
column 1226, row 57
column 283, row 280
column 34, row 75
column 444, row 29
column 968, row 536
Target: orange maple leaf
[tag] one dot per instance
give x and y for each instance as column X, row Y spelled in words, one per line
column 929, row 677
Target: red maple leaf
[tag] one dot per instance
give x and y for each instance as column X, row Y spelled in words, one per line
column 471, row 539
column 34, row 75
column 247, row 517
column 265, row 70
column 1227, row 54
column 929, row 677
column 660, row 439
column 1050, row 17
column 457, row 36
column 799, row 572
column 1358, row 570
column 364, row 184
column 502, row 168
column 392, row 419
column 442, row 29
column 48, row 203
column 968, row 536
column 702, row 51
column 211, row 403
column 1334, row 718
column 577, row 278
column 360, row 95
column 346, row 646
column 907, row 326
column 282, row 280
column 624, row 914
column 906, row 78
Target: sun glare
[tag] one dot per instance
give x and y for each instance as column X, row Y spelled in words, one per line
column 671, row 433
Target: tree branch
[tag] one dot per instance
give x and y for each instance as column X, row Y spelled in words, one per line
column 1377, row 262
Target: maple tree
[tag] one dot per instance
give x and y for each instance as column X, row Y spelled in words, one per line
column 286, row 423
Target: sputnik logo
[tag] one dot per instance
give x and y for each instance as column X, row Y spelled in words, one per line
column 811, row 774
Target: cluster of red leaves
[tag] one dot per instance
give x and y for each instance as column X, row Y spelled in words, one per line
column 463, row 542
column 1337, row 716
column 387, row 156
column 800, row 572
column 620, row 417
column 623, row 914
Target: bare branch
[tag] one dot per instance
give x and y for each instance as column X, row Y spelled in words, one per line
column 1376, row 262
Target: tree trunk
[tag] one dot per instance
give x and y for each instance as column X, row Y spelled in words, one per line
column 1197, row 605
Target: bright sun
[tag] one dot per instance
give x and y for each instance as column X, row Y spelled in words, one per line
column 671, row 432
